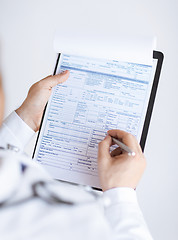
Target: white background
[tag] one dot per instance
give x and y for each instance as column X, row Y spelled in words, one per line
column 26, row 35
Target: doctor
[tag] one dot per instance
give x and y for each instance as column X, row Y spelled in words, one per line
column 33, row 206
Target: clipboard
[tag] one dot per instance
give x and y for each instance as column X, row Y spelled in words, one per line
column 158, row 57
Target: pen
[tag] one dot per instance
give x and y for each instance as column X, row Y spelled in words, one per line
column 123, row 146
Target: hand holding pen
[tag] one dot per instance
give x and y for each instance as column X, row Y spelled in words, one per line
column 124, row 166
column 123, row 147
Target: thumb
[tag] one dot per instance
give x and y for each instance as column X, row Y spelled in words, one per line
column 52, row 81
column 104, row 150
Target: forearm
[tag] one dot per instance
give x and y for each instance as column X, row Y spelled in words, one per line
column 125, row 216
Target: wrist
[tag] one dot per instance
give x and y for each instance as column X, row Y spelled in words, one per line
column 23, row 113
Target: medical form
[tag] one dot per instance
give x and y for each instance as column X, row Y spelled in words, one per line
column 99, row 95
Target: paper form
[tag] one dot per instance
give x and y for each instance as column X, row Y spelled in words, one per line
column 99, row 95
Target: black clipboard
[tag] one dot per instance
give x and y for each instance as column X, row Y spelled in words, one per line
column 159, row 57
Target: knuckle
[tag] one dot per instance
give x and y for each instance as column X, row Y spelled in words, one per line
column 35, row 86
column 40, row 84
column 130, row 136
column 127, row 135
column 31, row 88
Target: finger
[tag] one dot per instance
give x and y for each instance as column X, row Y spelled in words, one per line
column 126, row 138
column 52, row 81
column 116, row 152
column 103, row 149
column 117, row 133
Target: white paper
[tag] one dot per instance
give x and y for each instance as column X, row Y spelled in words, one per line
column 135, row 49
column 99, row 95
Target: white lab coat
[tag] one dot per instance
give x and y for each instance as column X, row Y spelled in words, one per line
column 114, row 214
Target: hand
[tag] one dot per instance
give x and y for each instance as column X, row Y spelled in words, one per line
column 118, row 169
column 31, row 110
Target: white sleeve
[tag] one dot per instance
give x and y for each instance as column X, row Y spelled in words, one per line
column 125, row 216
column 15, row 131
